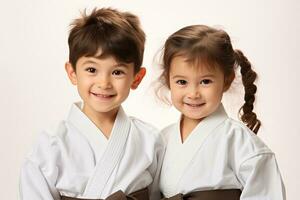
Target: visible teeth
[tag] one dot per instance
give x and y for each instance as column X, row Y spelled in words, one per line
column 102, row 95
column 194, row 105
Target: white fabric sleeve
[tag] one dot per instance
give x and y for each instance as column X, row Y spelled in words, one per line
column 155, row 169
column 33, row 184
column 39, row 173
column 261, row 178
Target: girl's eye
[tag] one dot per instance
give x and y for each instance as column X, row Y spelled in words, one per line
column 181, row 82
column 205, row 82
column 91, row 69
column 117, row 72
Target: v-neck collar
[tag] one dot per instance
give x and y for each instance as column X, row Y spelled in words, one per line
column 181, row 154
column 94, row 135
column 203, row 128
column 111, row 156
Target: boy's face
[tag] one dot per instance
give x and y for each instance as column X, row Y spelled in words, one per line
column 103, row 84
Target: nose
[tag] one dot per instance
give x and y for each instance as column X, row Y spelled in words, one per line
column 104, row 82
column 194, row 92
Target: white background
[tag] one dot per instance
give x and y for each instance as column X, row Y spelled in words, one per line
column 36, row 94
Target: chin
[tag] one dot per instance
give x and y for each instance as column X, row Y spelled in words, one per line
column 104, row 109
column 197, row 118
column 194, row 117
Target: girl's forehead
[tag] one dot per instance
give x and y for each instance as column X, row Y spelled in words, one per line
column 181, row 64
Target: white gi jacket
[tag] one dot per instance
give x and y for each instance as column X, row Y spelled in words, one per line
column 220, row 153
column 77, row 160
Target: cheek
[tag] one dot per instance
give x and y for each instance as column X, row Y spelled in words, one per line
column 123, row 85
column 176, row 94
column 173, row 89
column 216, row 94
column 83, row 79
column 81, row 82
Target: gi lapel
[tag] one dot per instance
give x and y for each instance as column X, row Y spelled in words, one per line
column 88, row 129
column 181, row 154
column 111, row 156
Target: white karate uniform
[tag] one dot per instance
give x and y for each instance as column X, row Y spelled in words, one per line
column 220, row 153
column 77, row 160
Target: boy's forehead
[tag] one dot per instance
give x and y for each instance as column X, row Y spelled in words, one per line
column 102, row 60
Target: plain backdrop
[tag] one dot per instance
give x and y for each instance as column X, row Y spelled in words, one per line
column 36, row 94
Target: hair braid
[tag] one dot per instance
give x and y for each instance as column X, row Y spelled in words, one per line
column 248, row 77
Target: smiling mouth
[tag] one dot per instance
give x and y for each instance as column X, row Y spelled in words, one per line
column 194, row 105
column 105, row 96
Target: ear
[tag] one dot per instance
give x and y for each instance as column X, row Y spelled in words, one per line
column 71, row 73
column 227, row 82
column 138, row 78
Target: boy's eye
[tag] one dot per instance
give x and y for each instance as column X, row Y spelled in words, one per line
column 205, row 82
column 91, row 69
column 117, row 72
column 181, row 82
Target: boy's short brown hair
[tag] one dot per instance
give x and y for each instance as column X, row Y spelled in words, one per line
column 107, row 32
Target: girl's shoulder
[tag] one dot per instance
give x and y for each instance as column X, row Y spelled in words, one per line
column 167, row 131
column 240, row 137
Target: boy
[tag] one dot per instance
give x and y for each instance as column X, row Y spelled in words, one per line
column 98, row 152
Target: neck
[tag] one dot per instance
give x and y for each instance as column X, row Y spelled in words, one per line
column 103, row 120
column 187, row 125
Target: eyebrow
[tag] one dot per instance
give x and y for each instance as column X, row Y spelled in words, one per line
column 208, row 76
column 205, row 76
column 178, row 76
column 89, row 62
column 119, row 64
column 122, row 64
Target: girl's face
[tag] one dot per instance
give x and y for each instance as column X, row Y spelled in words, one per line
column 196, row 91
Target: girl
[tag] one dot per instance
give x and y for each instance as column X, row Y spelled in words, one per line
column 209, row 155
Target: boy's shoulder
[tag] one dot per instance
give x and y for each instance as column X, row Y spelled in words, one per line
column 144, row 129
column 46, row 147
column 143, row 126
column 53, row 133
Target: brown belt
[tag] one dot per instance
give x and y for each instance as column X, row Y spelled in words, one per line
column 230, row 194
column 119, row 195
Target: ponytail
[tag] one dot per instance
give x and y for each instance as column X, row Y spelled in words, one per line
column 248, row 77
